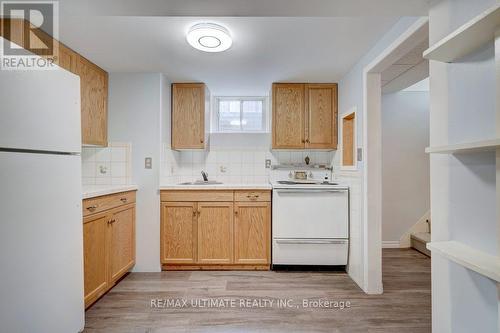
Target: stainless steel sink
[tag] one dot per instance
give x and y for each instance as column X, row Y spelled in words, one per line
column 201, row 182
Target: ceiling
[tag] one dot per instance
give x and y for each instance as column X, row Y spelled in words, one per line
column 408, row 70
column 149, row 36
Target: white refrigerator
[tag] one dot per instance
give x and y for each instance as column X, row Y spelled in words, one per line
column 41, row 231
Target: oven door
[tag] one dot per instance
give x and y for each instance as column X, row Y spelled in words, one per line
column 310, row 214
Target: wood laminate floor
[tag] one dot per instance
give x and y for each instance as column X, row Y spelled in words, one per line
column 405, row 305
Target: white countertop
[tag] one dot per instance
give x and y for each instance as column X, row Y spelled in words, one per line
column 227, row 186
column 91, row 191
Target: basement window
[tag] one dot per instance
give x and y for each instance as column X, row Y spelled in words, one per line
column 240, row 115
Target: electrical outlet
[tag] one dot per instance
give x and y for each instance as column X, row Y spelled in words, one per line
column 360, row 154
column 223, row 169
column 103, row 169
column 268, row 164
column 148, row 163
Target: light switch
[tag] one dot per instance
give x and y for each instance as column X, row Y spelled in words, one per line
column 360, row 154
column 268, row 164
column 148, row 163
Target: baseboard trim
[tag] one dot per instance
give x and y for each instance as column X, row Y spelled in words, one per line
column 390, row 245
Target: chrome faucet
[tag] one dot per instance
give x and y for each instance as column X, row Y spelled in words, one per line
column 204, row 175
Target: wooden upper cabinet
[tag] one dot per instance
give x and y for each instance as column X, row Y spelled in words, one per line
column 304, row 116
column 93, row 79
column 95, row 254
column 215, row 232
column 94, row 102
column 321, row 113
column 16, row 29
column 178, row 232
column 66, row 58
column 252, row 232
column 121, row 242
column 190, row 103
column 288, row 116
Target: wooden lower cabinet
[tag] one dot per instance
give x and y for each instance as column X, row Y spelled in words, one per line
column 121, row 242
column 95, row 254
column 109, row 249
column 215, row 234
column 178, row 232
column 252, row 237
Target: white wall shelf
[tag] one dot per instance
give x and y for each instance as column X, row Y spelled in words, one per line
column 467, row 38
column 467, row 147
column 475, row 260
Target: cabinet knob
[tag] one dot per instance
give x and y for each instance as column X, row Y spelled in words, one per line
column 201, row 140
column 123, row 200
column 235, row 212
column 194, row 213
column 303, row 141
column 92, row 208
column 308, row 141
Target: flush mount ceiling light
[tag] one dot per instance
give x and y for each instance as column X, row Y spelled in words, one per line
column 209, row 37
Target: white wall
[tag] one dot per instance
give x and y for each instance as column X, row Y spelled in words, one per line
column 139, row 114
column 463, row 192
column 350, row 96
column 405, row 165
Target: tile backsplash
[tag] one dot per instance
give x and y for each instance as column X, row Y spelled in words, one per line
column 107, row 166
column 231, row 165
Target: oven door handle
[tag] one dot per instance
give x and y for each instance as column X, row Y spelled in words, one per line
column 318, row 190
column 309, row 241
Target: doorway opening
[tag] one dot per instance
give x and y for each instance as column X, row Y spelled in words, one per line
column 398, row 67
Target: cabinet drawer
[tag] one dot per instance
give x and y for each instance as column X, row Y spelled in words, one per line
column 195, row 195
column 310, row 251
column 252, row 196
column 99, row 204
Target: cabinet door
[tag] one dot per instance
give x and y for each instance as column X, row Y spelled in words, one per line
column 94, row 102
column 178, row 233
column 95, row 255
column 66, row 58
column 321, row 116
column 188, row 115
column 252, row 226
column 288, row 116
column 121, row 241
column 215, row 232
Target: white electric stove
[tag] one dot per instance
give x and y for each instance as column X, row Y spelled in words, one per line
column 310, row 218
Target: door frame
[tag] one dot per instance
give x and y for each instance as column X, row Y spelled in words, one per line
column 372, row 152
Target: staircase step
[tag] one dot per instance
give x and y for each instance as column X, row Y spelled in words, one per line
column 419, row 241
